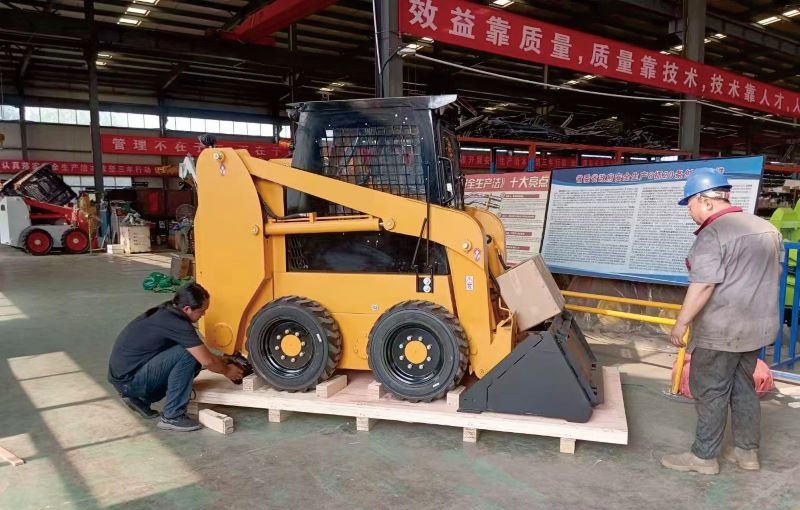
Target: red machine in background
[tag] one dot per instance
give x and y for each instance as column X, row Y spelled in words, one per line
column 37, row 214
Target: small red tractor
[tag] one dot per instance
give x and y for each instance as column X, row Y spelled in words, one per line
column 35, row 214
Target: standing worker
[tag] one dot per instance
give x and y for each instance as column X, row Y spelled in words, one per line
column 159, row 354
column 732, row 306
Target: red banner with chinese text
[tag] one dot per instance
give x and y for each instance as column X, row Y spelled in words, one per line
column 154, row 146
column 504, row 162
column 492, row 30
column 11, row 166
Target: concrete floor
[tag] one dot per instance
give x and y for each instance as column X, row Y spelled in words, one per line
column 60, row 314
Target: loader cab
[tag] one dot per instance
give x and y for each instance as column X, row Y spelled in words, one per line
column 403, row 146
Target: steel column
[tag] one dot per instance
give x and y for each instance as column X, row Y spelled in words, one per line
column 694, row 15
column 90, row 54
column 390, row 70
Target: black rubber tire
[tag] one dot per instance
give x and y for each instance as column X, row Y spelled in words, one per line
column 320, row 326
column 24, row 241
column 67, row 247
column 442, row 326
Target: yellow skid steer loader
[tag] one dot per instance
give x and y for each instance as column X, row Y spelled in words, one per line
column 359, row 254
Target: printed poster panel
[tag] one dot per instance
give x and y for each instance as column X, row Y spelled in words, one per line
column 624, row 221
column 520, row 201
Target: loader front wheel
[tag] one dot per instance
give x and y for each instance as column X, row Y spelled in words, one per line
column 418, row 351
column 293, row 343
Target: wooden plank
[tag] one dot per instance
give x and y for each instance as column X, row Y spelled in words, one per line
column 10, row 457
column 252, row 382
column 375, row 390
column 364, row 424
column 454, row 397
column 332, row 386
column 278, row 415
column 607, row 425
column 217, row 422
column 567, row 445
column 471, row 435
column 193, row 408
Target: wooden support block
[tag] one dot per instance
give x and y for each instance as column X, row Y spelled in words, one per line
column 192, row 409
column 252, row 382
column 332, row 386
column 454, row 397
column 10, row 457
column 375, row 390
column 471, row 435
column 567, row 445
column 277, row 415
column 365, row 424
column 217, row 422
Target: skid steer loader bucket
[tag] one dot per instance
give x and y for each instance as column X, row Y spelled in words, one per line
column 550, row 373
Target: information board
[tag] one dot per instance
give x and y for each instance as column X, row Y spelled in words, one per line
column 520, row 201
column 624, row 221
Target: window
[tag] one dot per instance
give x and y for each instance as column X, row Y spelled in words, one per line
column 83, row 117
column 225, row 127
column 198, row 125
column 136, row 120
column 8, row 112
column 77, row 117
column 119, row 119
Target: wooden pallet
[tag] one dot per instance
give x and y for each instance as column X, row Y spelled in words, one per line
column 357, row 395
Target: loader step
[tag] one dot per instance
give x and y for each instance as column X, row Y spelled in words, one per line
column 363, row 400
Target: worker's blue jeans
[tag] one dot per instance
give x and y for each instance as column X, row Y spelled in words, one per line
column 169, row 374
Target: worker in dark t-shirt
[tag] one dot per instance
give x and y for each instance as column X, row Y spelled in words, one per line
column 158, row 355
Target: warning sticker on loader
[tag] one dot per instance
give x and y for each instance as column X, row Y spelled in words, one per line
column 624, row 221
column 520, row 201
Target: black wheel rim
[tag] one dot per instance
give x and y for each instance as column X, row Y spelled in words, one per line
column 282, row 362
column 418, row 370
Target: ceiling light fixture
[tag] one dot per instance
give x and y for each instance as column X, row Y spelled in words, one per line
column 104, row 55
column 719, row 36
column 768, row 21
column 338, row 84
column 101, row 63
column 138, row 11
column 588, row 77
column 502, row 3
column 427, row 39
column 792, row 13
column 677, row 48
column 147, row 2
column 325, row 89
column 129, row 21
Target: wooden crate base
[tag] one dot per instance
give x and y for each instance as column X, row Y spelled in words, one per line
column 363, row 400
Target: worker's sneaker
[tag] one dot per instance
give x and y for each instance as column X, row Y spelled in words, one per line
column 140, row 407
column 745, row 459
column 181, row 424
column 690, row 462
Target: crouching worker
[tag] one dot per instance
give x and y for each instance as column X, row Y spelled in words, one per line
column 158, row 355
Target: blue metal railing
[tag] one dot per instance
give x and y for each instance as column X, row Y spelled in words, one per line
column 778, row 360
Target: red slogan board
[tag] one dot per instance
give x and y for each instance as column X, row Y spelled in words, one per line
column 11, row 166
column 148, row 145
column 492, row 30
column 471, row 160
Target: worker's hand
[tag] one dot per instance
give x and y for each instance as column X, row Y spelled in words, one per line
column 234, row 372
column 677, row 334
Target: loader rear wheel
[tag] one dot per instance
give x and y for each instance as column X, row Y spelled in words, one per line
column 293, row 343
column 418, row 351
column 37, row 241
column 75, row 240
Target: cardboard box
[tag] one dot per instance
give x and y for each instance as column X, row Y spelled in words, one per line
column 531, row 292
column 135, row 238
column 181, row 266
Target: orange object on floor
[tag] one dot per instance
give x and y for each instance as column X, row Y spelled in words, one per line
column 762, row 377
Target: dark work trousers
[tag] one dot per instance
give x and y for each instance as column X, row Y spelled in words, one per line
column 169, row 374
column 717, row 380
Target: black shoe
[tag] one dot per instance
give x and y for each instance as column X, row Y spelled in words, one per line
column 140, row 407
column 181, row 424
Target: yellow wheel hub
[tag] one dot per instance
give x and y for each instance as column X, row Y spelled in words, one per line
column 291, row 345
column 415, row 352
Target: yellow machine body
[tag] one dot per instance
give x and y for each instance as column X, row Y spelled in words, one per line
column 241, row 258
